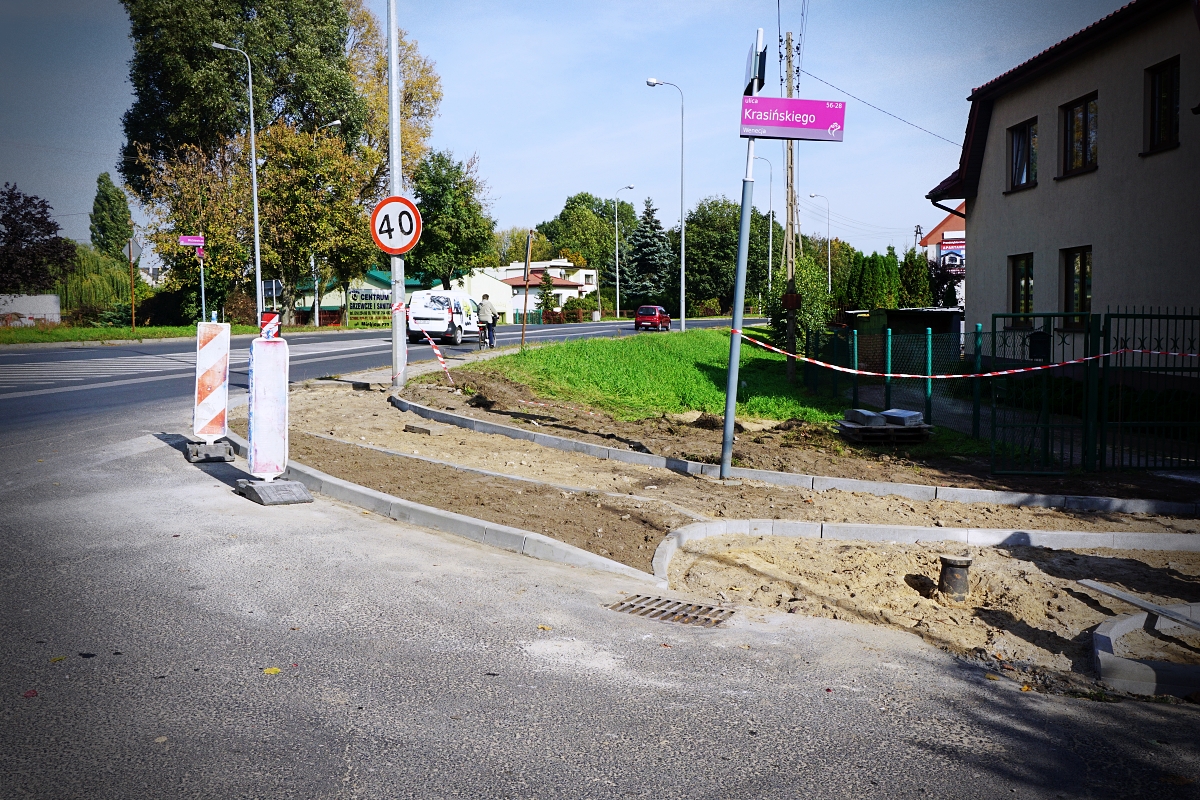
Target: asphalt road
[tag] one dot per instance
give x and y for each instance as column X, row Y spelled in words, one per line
column 73, row 380
column 143, row 601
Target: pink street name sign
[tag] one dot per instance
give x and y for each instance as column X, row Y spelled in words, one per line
column 787, row 118
column 191, row 241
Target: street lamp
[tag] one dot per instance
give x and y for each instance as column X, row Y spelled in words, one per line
column 771, row 229
column 258, row 303
column 335, row 123
column 828, row 257
column 682, row 209
column 617, row 246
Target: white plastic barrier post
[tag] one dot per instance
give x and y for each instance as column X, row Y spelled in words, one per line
column 268, row 405
column 209, row 419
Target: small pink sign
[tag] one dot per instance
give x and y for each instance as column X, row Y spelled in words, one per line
column 788, row 118
column 191, row 241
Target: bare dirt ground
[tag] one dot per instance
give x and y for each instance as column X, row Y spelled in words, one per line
column 1026, row 617
column 655, row 500
column 794, row 446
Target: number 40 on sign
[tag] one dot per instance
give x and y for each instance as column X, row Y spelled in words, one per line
column 396, row 225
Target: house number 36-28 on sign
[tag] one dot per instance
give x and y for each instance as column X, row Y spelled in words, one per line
column 396, row 225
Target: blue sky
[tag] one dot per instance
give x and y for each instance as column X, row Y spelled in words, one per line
column 553, row 99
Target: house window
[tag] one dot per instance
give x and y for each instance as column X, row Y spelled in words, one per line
column 1079, row 135
column 1077, row 283
column 1162, row 106
column 1020, row 269
column 589, row 279
column 1022, row 155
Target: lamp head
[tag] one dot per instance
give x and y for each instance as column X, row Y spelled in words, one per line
column 219, row 46
column 653, row 82
column 630, row 186
column 812, row 195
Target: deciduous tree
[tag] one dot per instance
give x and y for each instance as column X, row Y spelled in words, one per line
column 33, row 257
column 456, row 236
column 187, row 93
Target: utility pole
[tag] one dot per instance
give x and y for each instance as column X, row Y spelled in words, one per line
column 399, row 316
column 916, row 236
column 789, row 245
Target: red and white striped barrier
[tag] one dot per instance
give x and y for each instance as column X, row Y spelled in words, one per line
column 994, row 374
column 437, row 352
column 268, row 437
column 209, row 420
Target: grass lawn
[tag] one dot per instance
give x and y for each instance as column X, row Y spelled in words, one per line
column 67, row 333
column 633, row 377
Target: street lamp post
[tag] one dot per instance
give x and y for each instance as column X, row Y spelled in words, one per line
column 682, row 210
column 258, row 303
column 828, row 256
column 771, row 228
column 617, row 246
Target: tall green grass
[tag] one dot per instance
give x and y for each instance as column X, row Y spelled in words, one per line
column 642, row 376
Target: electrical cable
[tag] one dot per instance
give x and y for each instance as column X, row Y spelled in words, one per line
column 880, row 110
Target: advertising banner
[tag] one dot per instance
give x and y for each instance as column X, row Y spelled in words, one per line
column 952, row 254
column 790, row 118
column 369, row 308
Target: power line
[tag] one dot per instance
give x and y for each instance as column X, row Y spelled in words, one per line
column 880, row 110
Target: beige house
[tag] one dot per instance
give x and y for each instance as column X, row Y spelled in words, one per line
column 1081, row 171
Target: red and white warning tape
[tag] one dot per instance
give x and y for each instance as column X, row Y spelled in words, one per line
column 997, row 373
column 437, row 352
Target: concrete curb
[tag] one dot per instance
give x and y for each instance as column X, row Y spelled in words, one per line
column 492, row 474
column 1143, row 676
column 817, row 483
column 979, row 537
column 515, row 540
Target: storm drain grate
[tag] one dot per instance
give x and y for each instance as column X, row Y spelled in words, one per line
column 664, row 610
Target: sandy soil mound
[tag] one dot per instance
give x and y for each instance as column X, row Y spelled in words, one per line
column 1025, row 609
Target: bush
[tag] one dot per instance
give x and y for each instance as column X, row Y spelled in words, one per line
column 705, row 308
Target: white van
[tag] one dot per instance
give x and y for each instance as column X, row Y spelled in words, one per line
column 450, row 315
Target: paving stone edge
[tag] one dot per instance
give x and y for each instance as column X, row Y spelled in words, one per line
column 1143, row 677
column 817, row 483
column 980, row 537
column 505, row 537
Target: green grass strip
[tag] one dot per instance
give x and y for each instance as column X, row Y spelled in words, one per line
column 634, row 377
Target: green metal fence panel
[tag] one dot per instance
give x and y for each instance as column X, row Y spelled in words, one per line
column 1038, row 417
column 1149, row 402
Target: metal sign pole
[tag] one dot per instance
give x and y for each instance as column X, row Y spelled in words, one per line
column 739, row 286
column 399, row 328
column 525, row 316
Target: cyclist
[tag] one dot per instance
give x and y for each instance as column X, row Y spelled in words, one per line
column 488, row 316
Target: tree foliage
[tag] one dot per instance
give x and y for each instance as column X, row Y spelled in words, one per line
column 651, row 258
column 712, row 237
column 33, row 257
column 546, row 299
column 914, row 280
column 187, row 93
column 456, row 236
column 583, row 233
column 366, row 51
column 509, row 245
column 111, row 223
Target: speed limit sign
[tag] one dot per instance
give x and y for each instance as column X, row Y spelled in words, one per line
column 396, row 225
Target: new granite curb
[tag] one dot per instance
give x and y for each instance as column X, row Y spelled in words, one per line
column 1143, row 676
column 901, row 534
column 913, row 491
column 528, row 543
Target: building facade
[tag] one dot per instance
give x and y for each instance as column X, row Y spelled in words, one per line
column 1080, row 171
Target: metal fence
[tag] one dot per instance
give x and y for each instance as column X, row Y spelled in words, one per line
column 1121, row 411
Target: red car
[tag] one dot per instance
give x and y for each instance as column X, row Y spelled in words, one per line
column 652, row 317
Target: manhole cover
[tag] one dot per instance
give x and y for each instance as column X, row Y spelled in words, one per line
column 664, row 610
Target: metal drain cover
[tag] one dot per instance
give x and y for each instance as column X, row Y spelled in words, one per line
column 664, row 610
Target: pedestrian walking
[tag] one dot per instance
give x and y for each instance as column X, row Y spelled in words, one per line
column 488, row 316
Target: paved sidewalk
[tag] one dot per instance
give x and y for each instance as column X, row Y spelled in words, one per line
column 412, row 664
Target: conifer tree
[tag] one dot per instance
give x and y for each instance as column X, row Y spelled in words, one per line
column 650, row 258
column 111, row 224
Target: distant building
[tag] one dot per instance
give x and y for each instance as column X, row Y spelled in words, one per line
column 1080, row 171
column 569, row 281
column 948, row 240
